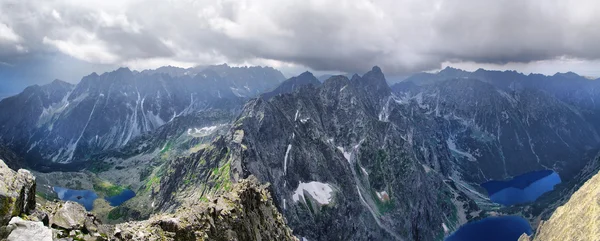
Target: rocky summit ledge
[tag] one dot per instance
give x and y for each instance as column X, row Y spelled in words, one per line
column 17, row 193
column 246, row 212
column 577, row 220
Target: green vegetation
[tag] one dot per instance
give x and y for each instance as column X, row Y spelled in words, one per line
column 376, row 176
column 99, row 166
column 222, row 178
column 145, row 173
column 383, row 206
column 115, row 214
column 167, row 147
column 309, row 204
column 46, row 196
column 107, row 188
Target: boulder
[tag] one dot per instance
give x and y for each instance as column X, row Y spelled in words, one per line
column 28, row 230
column 17, row 193
column 69, row 216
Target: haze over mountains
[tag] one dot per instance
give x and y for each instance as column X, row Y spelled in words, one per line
column 350, row 158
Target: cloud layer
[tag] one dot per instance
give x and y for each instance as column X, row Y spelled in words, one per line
column 401, row 36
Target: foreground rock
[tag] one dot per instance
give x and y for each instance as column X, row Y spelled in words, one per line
column 17, row 193
column 578, row 219
column 245, row 213
column 28, row 230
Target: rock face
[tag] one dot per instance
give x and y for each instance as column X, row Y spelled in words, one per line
column 69, row 216
column 17, row 193
column 28, row 230
column 244, row 213
column 63, row 123
column 342, row 161
column 292, row 84
column 576, row 220
column 497, row 133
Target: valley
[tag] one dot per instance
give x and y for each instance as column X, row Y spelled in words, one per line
column 446, row 156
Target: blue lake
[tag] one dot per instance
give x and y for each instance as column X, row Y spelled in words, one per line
column 121, row 198
column 522, row 189
column 83, row 197
column 506, row 228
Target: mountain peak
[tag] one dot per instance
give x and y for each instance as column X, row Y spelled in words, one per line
column 306, row 74
column 59, row 82
column 451, row 71
column 375, row 74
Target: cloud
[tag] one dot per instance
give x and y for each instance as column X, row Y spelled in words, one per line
column 401, row 36
column 7, row 35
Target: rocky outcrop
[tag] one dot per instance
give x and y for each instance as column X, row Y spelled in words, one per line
column 342, row 159
column 70, row 216
column 577, row 220
column 17, row 193
column 293, row 84
column 27, row 230
column 244, row 213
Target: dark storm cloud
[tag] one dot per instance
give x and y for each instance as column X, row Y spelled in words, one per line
column 340, row 35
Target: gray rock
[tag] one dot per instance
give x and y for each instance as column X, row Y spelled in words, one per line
column 17, row 193
column 28, row 230
column 69, row 216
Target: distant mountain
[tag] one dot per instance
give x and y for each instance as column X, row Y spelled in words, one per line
column 499, row 133
column 401, row 163
column 324, row 77
column 292, row 84
column 338, row 171
column 569, row 87
column 243, row 81
column 60, row 122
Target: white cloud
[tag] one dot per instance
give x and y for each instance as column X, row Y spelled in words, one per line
column 56, row 15
column 7, row 34
column 85, row 46
column 401, row 36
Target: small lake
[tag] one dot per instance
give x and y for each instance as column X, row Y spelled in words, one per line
column 506, row 228
column 522, row 189
column 83, row 197
column 121, row 198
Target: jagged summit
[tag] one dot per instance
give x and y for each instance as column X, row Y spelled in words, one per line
column 292, row 84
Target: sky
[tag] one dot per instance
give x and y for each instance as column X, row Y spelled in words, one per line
column 66, row 39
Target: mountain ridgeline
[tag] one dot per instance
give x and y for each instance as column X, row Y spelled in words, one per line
column 350, row 158
column 64, row 123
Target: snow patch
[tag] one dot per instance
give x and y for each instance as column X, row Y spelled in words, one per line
column 427, row 168
column 204, row 131
column 287, row 153
column 446, row 229
column 347, row 155
column 296, row 116
column 319, row 191
column 383, row 196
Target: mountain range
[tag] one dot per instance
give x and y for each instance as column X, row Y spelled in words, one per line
column 350, row 158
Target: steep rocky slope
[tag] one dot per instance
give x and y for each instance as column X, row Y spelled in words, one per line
column 63, row 123
column 245, row 212
column 497, row 134
column 342, row 160
column 578, row 219
column 292, row 84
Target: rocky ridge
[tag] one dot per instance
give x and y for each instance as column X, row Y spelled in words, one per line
column 244, row 213
column 576, row 220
